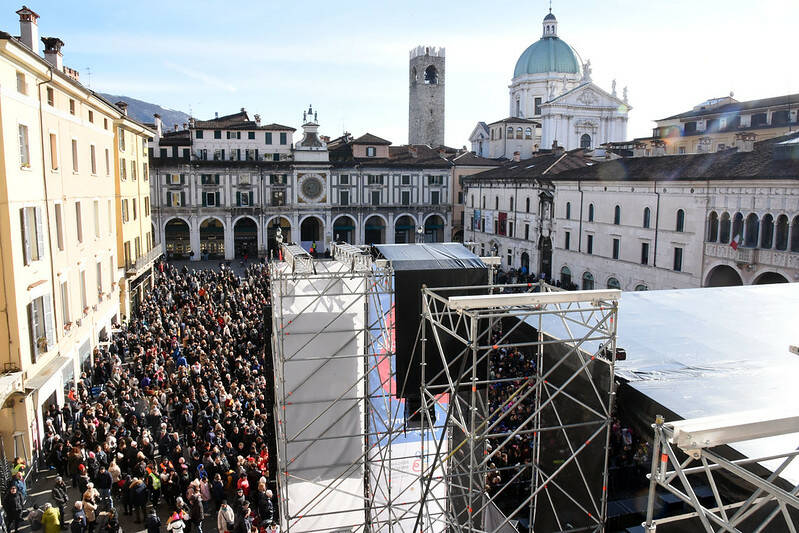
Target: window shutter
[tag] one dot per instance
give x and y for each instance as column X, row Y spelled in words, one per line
column 169, row 199
column 250, row 197
column 216, row 195
column 238, row 198
column 32, row 323
column 223, row 153
column 205, row 202
column 256, row 154
column 39, row 233
column 183, row 179
column 182, row 199
column 216, row 179
column 48, row 321
column 26, row 251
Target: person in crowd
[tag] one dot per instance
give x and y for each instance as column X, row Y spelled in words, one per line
column 51, row 519
column 79, row 523
column 225, row 518
column 59, row 496
column 13, row 505
column 35, row 518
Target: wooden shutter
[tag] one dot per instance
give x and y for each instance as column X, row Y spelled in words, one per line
column 216, row 179
column 204, row 201
column 48, row 321
column 182, row 199
column 223, row 154
column 256, row 154
column 238, row 198
column 23, row 225
column 39, row 233
column 251, row 195
column 216, row 195
column 182, row 179
column 32, row 326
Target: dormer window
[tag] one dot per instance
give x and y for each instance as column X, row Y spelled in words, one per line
column 370, row 151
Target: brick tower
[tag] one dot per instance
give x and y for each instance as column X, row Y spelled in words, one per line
column 426, row 96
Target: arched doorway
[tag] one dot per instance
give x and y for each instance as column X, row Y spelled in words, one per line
column 752, row 230
column 245, row 238
column 212, row 239
column 565, row 277
column 374, row 230
column 344, row 230
column 588, row 281
column 545, row 253
column 177, row 243
column 767, row 278
column 434, row 229
column 277, row 224
column 723, row 276
column 585, row 141
column 525, row 263
column 405, row 230
column 457, row 235
column 311, row 231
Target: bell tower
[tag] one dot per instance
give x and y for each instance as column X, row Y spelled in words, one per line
column 426, row 96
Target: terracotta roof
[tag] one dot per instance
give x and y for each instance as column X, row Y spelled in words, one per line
column 405, row 156
column 536, row 167
column 368, row 138
column 470, row 159
column 767, row 160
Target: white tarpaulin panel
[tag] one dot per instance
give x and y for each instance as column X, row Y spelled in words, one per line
column 321, row 426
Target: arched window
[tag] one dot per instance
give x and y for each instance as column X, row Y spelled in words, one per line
column 510, row 132
column 588, row 281
column 519, row 133
column 518, row 108
column 737, row 226
column 568, row 210
column 767, row 232
column 585, row 141
column 647, row 216
column 565, row 277
column 795, row 234
column 680, row 225
column 590, row 212
column 713, row 227
column 617, row 215
column 641, row 288
column 511, row 204
column 528, row 133
column 724, row 228
column 782, row 233
column 752, row 230
column 613, row 283
column 430, row 75
column 527, row 204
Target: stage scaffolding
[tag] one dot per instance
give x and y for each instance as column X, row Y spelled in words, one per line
column 562, row 407
column 349, row 460
column 346, row 460
column 764, row 503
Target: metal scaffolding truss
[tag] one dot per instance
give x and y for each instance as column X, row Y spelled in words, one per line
column 684, row 457
column 339, row 419
column 527, row 448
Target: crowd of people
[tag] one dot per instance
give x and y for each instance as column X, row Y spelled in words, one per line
column 170, row 424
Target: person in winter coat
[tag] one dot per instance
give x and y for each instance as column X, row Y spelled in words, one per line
column 197, row 513
column 35, row 518
column 153, row 522
column 13, row 506
column 59, row 495
column 51, row 519
column 78, row 519
column 90, row 510
column 225, row 518
column 175, row 523
column 138, row 496
column 111, row 523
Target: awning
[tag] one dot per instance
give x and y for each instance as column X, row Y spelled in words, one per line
column 53, row 367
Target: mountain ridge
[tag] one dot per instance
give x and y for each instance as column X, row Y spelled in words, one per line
column 143, row 111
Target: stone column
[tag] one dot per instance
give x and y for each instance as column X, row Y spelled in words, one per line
column 230, row 245
column 194, row 237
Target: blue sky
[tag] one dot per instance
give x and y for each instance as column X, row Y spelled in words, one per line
column 350, row 59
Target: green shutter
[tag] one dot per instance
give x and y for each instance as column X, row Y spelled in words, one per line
column 251, row 198
column 204, row 202
column 216, row 179
column 216, row 195
column 182, row 179
column 182, row 199
column 238, row 198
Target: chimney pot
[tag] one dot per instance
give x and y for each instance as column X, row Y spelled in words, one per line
column 185, row 125
column 176, row 127
column 29, row 28
column 216, row 114
column 123, row 106
column 52, row 52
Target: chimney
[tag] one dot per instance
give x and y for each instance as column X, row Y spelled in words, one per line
column 517, row 156
column 745, row 141
column 257, row 118
column 185, row 125
column 191, row 122
column 29, row 28
column 52, row 52
column 557, row 149
column 413, row 151
column 158, row 125
column 216, row 114
column 175, row 126
column 123, row 106
column 242, row 110
column 658, row 147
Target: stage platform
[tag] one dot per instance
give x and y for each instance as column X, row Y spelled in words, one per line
column 712, row 351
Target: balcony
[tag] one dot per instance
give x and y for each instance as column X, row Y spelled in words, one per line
column 133, row 270
column 753, row 256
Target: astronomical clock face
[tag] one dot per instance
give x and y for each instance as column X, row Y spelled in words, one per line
column 312, row 188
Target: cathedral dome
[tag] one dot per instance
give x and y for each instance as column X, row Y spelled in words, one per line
column 548, row 54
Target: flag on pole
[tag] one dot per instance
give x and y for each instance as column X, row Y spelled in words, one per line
column 736, row 242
